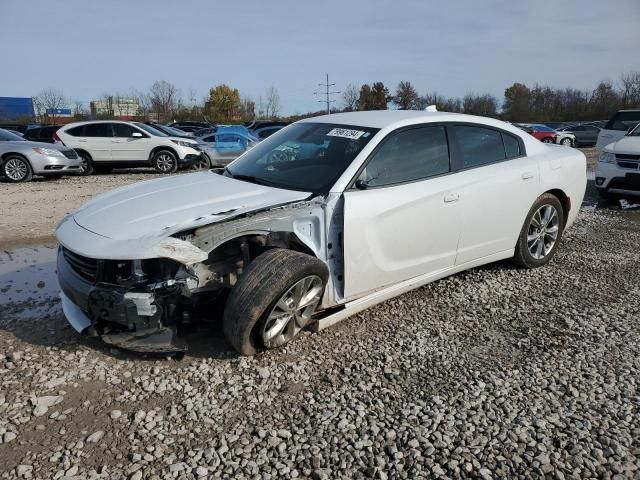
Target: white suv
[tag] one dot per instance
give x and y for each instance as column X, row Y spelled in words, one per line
column 104, row 145
column 618, row 168
column 622, row 122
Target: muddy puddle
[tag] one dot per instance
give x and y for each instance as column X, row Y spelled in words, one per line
column 28, row 284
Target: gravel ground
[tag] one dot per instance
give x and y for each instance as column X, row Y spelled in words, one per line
column 493, row 373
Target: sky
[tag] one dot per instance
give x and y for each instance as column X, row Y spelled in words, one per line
column 87, row 48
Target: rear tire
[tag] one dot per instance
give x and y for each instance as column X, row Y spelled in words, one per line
column 547, row 140
column 540, row 236
column 203, row 164
column 86, row 164
column 16, row 168
column 253, row 309
column 164, row 161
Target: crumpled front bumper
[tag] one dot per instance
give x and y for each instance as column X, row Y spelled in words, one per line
column 131, row 321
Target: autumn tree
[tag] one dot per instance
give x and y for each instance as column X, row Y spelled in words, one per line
column 374, row 97
column 406, row 97
column 516, row 102
column 224, row 103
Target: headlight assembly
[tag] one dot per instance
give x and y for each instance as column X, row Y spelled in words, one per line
column 607, row 157
column 183, row 144
column 48, row 151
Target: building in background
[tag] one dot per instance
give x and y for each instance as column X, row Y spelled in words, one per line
column 16, row 108
column 122, row 108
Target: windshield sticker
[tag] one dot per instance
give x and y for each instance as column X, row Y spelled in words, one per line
column 346, row 133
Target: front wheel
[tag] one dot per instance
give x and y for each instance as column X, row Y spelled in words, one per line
column 17, row 169
column 541, row 232
column 274, row 300
column 203, row 164
column 566, row 142
column 164, row 161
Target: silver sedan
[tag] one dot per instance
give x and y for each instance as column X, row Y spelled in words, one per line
column 21, row 159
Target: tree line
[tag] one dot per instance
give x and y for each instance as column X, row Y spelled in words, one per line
column 164, row 102
column 521, row 103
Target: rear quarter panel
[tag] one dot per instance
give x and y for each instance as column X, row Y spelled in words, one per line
column 564, row 169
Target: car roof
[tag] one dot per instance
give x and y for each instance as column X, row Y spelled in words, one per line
column 391, row 118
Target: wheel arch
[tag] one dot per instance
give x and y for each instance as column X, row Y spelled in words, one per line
column 159, row 148
column 565, row 201
column 6, row 155
column 82, row 150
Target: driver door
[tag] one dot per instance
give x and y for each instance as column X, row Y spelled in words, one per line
column 402, row 219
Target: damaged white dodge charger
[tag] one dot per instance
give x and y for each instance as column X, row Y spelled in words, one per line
column 327, row 217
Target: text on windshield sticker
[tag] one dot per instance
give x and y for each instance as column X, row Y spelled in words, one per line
column 345, row 133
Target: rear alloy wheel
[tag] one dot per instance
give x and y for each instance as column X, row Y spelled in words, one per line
column 547, row 140
column 86, row 164
column 17, row 169
column 541, row 232
column 566, row 142
column 164, row 161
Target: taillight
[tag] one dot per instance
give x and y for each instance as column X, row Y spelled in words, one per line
column 56, row 138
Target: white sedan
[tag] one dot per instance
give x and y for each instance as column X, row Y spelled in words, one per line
column 363, row 207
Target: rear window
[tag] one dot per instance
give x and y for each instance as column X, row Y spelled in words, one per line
column 479, row 146
column 623, row 121
column 76, row 131
column 97, row 130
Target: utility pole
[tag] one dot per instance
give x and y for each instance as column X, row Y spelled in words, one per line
column 327, row 93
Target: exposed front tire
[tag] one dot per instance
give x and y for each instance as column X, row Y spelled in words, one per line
column 541, row 232
column 273, row 300
column 16, row 168
column 566, row 142
column 86, row 164
column 164, row 161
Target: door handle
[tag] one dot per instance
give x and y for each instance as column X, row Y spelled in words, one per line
column 527, row 175
column 451, row 197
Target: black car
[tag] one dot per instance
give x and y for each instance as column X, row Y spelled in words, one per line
column 586, row 135
column 190, row 126
column 171, row 131
column 41, row 134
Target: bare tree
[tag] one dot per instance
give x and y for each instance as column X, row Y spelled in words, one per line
column 48, row 101
column 164, row 98
column 144, row 104
column 350, row 97
column 80, row 109
column 630, row 89
column 272, row 103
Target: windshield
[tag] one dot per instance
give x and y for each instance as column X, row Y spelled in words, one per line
column 173, row 131
column 6, row 136
column 634, row 132
column 153, row 131
column 309, row 157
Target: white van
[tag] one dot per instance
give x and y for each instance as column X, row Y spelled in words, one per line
column 615, row 129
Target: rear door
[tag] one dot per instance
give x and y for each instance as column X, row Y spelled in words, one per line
column 401, row 219
column 127, row 148
column 498, row 184
column 97, row 141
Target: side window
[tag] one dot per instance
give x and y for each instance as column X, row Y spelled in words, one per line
column 479, row 146
column 76, row 131
column 511, row 145
column 97, row 130
column 122, row 130
column 407, row 156
column 623, row 121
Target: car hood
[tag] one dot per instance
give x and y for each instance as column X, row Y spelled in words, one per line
column 25, row 144
column 183, row 139
column 628, row 145
column 166, row 206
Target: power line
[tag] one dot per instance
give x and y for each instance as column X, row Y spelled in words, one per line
column 328, row 94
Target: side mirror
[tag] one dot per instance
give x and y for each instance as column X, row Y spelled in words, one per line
column 136, row 135
column 361, row 185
